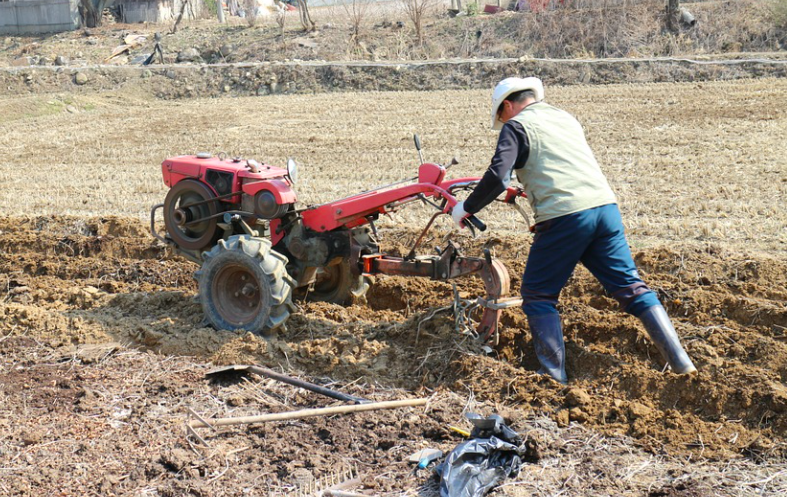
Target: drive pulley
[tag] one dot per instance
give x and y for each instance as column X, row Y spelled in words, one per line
column 190, row 215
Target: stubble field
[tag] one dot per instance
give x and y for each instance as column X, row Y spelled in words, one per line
column 103, row 349
column 699, row 162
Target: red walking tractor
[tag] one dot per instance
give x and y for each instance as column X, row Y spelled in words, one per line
column 241, row 222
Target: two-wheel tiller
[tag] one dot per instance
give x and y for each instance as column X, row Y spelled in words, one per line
column 256, row 246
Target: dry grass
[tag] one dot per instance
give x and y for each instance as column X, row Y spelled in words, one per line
column 579, row 29
column 698, row 163
column 778, row 12
column 583, row 459
column 595, row 28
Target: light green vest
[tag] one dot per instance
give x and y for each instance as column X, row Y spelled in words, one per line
column 561, row 175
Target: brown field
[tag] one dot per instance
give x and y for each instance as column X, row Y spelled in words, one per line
column 701, row 176
column 692, row 163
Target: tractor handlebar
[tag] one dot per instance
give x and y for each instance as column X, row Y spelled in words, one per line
column 476, row 222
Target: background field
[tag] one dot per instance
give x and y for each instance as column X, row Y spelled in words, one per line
column 701, row 162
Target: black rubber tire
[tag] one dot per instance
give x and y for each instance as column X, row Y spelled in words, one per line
column 243, row 284
column 336, row 284
column 200, row 236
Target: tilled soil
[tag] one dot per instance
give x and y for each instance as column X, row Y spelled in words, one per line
column 104, row 351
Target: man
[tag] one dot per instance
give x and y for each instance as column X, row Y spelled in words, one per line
column 576, row 220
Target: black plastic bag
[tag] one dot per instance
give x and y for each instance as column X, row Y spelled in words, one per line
column 474, row 467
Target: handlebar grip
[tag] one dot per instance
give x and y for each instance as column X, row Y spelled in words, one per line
column 476, row 222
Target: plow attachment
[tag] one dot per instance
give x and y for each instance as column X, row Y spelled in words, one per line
column 449, row 264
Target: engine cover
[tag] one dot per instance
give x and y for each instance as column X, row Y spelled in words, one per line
column 223, row 175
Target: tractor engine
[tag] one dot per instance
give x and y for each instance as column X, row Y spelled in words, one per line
column 206, row 192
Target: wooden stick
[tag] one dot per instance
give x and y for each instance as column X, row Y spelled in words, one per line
column 310, row 413
column 340, row 493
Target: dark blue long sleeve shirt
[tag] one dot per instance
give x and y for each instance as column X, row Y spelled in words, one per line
column 511, row 153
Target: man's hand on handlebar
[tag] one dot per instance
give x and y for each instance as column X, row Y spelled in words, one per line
column 461, row 217
column 458, row 214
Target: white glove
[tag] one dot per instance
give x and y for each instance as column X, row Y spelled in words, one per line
column 458, row 214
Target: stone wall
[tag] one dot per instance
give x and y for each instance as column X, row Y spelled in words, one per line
column 38, row 16
column 156, row 10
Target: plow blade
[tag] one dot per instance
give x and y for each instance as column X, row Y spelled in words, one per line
column 497, row 284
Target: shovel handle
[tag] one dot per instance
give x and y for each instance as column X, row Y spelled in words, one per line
column 269, row 373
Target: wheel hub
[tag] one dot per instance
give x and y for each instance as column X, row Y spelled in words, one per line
column 237, row 294
column 181, row 217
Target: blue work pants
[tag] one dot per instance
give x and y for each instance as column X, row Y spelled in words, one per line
column 595, row 238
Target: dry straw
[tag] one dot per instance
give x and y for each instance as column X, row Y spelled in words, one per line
column 690, row 162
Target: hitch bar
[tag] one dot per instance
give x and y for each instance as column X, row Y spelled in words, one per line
column 499, row 304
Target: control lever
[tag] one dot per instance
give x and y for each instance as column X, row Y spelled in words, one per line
column 417, row 140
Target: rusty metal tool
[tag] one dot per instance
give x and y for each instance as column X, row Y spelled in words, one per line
column 242, row 370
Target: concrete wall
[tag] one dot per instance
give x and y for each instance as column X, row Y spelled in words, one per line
column 155, row 10
column 38, row 16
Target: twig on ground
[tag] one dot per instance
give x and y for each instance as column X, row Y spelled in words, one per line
column 308, row 413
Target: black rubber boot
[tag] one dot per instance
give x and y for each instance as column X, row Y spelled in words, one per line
column 659, row 327
column 548, row 341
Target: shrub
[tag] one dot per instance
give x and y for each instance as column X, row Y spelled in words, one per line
column 357, row 11
column 778, row 12
column 417, row 10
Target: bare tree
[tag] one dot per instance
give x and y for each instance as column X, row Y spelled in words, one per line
column 673, row 12
column 180, row 16
column 356, row 12
column 220, row 11
column 90, row 11
column 416, row 10
column 306, row 18
column 281, row 16
column 250, row 7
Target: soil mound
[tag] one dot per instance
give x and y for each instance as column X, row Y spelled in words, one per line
column 71, row 281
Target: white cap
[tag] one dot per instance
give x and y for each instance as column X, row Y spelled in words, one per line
column 513, row 85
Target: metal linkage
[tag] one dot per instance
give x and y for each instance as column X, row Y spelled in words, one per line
column 463, row 309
